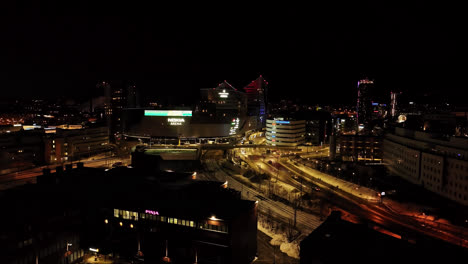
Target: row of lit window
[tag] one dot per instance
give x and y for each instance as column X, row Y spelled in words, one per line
column 218, row 228
column 129, row 215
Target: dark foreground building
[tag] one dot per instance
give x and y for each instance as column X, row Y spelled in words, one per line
column 126, row 212
column 339, row 241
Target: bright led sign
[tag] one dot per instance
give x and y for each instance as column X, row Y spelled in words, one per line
column 151, row 212
column 167, row 113
column 234, row 126
column 223, row 94
column 175, row 121
column 282, row 122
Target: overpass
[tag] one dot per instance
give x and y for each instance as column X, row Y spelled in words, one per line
column 203, row 148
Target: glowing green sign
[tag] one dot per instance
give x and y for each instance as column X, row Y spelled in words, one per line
column 167, row 113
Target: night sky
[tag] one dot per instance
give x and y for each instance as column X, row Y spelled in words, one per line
column 50, row 50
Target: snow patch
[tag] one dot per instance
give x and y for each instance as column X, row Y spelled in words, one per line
column 279, row 239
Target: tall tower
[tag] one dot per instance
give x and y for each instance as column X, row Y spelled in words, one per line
column 257, row 100
column 105, row 86
column 133, row 97
column 394, row 103
column 114, row 102
column 364, row 103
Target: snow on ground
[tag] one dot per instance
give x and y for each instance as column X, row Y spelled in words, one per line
column 279, row 239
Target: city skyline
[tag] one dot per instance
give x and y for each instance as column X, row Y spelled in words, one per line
column 222, row 133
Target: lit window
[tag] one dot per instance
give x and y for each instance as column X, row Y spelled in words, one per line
column 126, row 215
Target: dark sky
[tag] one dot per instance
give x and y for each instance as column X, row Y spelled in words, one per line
column 312, row 52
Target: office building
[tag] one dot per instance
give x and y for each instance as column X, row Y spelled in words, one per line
column 318, row 126
column 364, row 104
column 221, row 104
column 168, row 216
column 72, row 143
column 395, row 104
column 256, row 93
column 21, row 149
column 281, row 132
column 439, row 165
column 114, row 102
column 360, row 148
column 133, row 97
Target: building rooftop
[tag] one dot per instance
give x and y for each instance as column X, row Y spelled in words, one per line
column 339, row 241
column 125, row 188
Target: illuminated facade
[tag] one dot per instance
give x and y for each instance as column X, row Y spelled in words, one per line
column 221, row 104
column 360, row 148
column 72, row 144
column 438, row 165
column 285, row 132
column 169, row 125
column 394, row 108
column 364, row 104
column 115, row 101
column 256, row 93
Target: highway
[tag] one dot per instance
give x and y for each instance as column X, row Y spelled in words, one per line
column 357, row 200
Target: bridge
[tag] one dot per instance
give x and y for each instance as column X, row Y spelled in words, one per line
column 202, row 149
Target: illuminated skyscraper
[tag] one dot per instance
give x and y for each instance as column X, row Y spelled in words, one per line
column 364, row 103
column 257, row 100
column 394, row 104
column 133, row 97
column 113, row 105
